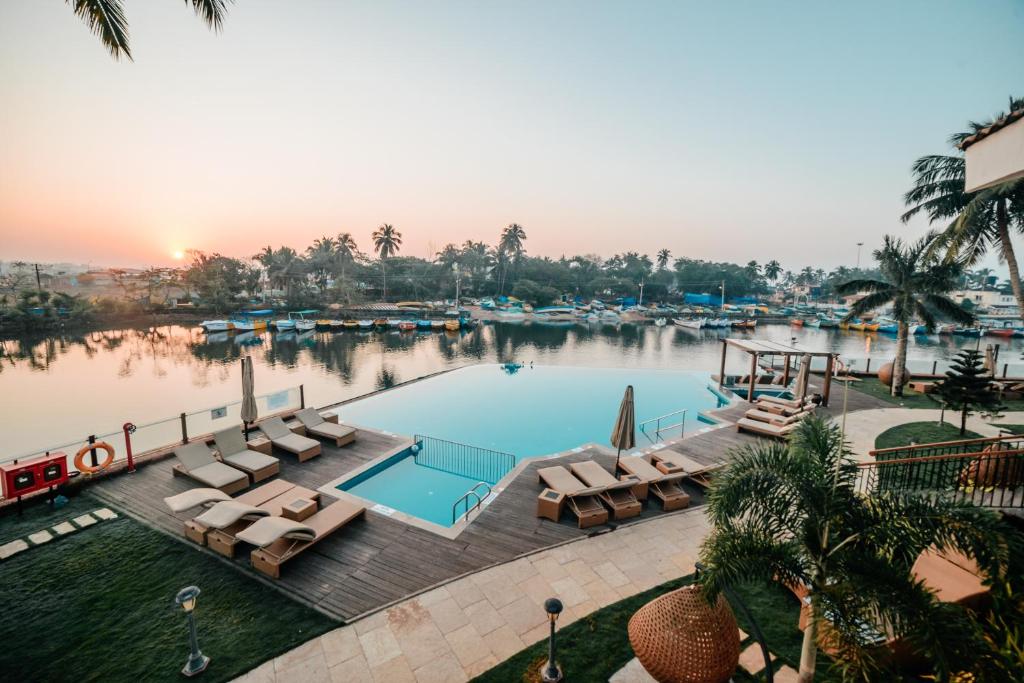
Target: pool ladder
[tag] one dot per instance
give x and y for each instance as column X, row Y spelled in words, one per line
column 472, row 493
column 655, row 424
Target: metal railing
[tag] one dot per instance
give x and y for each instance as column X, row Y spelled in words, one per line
column 472, row 462
column 472, row 493
column 990, row 474
column 962, row 446
column 659, row 427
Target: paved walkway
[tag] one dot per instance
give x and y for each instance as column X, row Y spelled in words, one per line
column 459, row 630
column 864, row 426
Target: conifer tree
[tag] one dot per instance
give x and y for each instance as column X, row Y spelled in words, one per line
column 968, row 387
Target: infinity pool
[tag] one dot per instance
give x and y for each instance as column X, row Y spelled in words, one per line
column 522, row 411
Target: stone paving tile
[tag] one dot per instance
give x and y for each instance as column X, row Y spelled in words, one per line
column 537, row 589
column 40, row 537
column 601, row 593
column 264, row 673
column 298, row 655
column 351, row 671
column 370, row 623
column 465, row 592
column 480, row 666
column 468, row 646
column 447, row 615
column 379, row 645
column 503, row 642
column 105, row 513
column 520, row 570
column 563, row 554
column 786, row 674
column 340, row 645
column 580, row 570
column 432, row 597
column 569, row 591
column 64, row 528
column 752, row 659
column 444, row 669
column 12, row 548
column 536, row 634
column 484, row 617
column 500, row 592
column 633, row 672
column 311, row 670
column 611, row 574
column 395, row 670
column 549, row 568
column 423, row 644
column 84, row 520
column 523, row 614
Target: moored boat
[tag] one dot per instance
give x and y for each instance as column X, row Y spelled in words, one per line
column 796, row 322
column 691, row 323
column 945, row 329
column 423, row 324
column 566, row 313
column 973, row 332
column 452, row 325
column 406, row 325
column 350, row 324
column 366, row 324
column 660, row 322
column 437, row 324
column 747, row 324
column 380, row 322
column 1004, row 332
column 216, row 326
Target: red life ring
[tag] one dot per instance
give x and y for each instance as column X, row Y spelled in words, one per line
column 89, row 469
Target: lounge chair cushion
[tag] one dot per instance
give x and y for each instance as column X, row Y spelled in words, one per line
column 227, row 513
column 329, row 429
column 275, row 428
column 194, row 498
column 309, row 417
column 765, row 427
column 230, row 441
column 593, row 474
column 295, row 443
column 194, row 455
column 685, row 462
column 269, row 529
column 560, row 479
column 647, row 472
column 217, row 474
column 250, row 460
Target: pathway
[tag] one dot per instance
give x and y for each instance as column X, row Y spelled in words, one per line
column 864, row 426
column 465, row 627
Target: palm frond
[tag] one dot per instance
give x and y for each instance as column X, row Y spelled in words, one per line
column 211, row 11
column 106, row 19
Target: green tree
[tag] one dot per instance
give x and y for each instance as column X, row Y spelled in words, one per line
column 915, row 285
column 106, row 19
column 322, row 260
column 772, row 270
column 662, row 258
column 386, row 241
column 979, row 220
column 218, row 280
column 792, row 513
column 968, row 387
column 510, row 250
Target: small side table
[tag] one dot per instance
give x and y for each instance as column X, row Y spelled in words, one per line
column 550, row 504
column 299, row 509
column 260, row 444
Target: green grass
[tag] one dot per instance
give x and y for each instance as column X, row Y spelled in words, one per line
column 1013, row 429
column 921, row 433
column 596, row 646
column 99, row 606
column 910, row 399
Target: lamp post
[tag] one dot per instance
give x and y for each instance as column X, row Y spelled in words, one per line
column 197, row 661
column 859, row 245
column 551, row 673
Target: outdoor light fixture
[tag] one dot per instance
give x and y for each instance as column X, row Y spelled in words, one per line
column 551, row 673
column 197, row 661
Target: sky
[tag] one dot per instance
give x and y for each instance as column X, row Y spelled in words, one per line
column 719, row 130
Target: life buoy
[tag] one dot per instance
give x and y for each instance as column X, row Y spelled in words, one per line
column 89, row 469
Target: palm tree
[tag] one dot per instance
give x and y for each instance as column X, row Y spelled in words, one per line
column 321, row 256
column 510, row 248
column 980, row 220
column 386, row 241
column 792, row 513
column 662, row 259
column 752, row 270
column 347, row 252
column 106, row 19
column 772, row 270
column 915, row 285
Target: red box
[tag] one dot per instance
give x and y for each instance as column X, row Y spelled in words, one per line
column 28, row 476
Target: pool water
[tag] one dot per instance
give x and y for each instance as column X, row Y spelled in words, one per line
column 525, row 411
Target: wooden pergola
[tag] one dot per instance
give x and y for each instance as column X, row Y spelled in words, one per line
column 757, row 348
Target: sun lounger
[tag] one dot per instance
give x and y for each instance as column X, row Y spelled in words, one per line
column 616, row 494
column 582, row 499
column 775, row 418
column 673, row 462
column 788, row 402
column 316, row 425
column 235, row 452
column 780, row 409
column 765, row 428
column 279, row 540
column 206, row 497
column 197, row 462
column 223, row 539
column 664, row 487
column 282, row 437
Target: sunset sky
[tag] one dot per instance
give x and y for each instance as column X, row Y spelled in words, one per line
column 728, row 131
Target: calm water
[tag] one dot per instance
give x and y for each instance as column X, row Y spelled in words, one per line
column 60, row 389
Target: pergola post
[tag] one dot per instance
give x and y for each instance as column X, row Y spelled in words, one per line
column 753, row 376
column 721, row 370
column 785, row 371
column 827, row 388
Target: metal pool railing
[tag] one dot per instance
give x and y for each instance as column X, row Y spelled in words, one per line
column 473, row 493
column 472, row 462
column 657, row 425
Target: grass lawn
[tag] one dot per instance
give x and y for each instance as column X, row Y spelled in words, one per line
column 595, row 647
column 910, row 399
column 1013, row 429
column 921, row 432
column 99, row 606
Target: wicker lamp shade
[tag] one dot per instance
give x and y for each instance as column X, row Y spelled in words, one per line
column 680, row 638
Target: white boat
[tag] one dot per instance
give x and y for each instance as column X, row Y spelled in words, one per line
column 513, row 313
column 284, row 325
column 633, row 314
column 660, row 322
column 437, row 324
column 305, row 325
column 394, row 322
column 216, row 325
column 610, row 316
column 366, row 324
column 691, row 324
column 553, row 313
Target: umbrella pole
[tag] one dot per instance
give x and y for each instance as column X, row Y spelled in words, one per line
column 617, row 456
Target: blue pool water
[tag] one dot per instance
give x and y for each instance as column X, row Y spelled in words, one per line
column 526, row 412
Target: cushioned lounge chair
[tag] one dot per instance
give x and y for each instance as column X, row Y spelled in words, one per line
column 673, row 462
column 783, row 410
column 236, row 452
column 616, row 494
column 582, row 499
column 196, row 461
column 765, row 428
column 788, row 402
column 316, row 425
column 223, row 538
column 664, row 487
column 206, row 497
column 282, row 437
column 775, row 418
column 278, row 540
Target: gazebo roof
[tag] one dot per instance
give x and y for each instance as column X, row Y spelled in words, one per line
column 761, row 346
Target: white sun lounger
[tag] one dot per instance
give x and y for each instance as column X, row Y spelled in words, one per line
column 616, row 494
column 236, row 452
column 302, row 446
column 196, row 461
column 316, row 425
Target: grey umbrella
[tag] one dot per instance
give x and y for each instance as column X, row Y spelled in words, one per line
column 624, row 434
column 249, row 413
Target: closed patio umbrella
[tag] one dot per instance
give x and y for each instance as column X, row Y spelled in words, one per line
column 624, row 434
column 249, row 413
column 803, row 377
column 990, row 360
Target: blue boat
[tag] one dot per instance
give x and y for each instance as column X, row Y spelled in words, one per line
column 967, row 331
column 423, row 324
column 889, row 328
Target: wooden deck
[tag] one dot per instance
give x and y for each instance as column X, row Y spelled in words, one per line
column 377, row 560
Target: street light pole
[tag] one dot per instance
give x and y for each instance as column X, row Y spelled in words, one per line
column 551, row 673
column 859, row 245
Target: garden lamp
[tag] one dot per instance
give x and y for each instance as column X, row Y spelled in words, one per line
column 551, row 673
column 197, row 661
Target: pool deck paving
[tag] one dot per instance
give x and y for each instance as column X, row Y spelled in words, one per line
column 458, row 630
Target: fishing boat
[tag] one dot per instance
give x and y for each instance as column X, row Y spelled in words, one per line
column 250, row 321
column 660, row 322
column 718, row 323
column 437, row 324
column 380, row 322
column 690, row 324
column 856, row 325
column 396, row 323
column 216, row 326
column 366, row 324
column 511, row 313
column 452, row 325
column 337, row 325
column 609, row 316
column 350, row 324
column 555, row 313
column 284, row 324
column 632, row 314
column 1004, row 332
column 888, row 328
column 973, row 332
column 407, row 325
column 422, row 324
column 303, row 324
column 797, row 322
column 747, row 324
column 945, row 329
column 487, row 304
column 816, row 322
column 323, row 324
column 871, row 327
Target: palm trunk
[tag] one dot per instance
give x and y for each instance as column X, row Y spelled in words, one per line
column 899, row 369
column 1003, row 228
column 809, row 648
column 384, row 270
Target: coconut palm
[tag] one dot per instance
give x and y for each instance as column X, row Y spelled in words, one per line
column 346, row 253
column 979, row 220
column 662, row 259
column 106, row 19
column 386, row 242
column 321, row 257
column 510, row 249
column 772, row 270
column 792, row 513
column 915, row 285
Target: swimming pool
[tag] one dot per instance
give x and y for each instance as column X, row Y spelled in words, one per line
column 515, row 412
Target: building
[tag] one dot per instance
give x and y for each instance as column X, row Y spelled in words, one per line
column 995, row 154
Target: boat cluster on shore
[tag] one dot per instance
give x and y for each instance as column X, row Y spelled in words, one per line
column 306, row 321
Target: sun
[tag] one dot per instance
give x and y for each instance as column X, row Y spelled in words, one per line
column 178, row 255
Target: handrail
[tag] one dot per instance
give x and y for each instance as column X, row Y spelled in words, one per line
column 658, row 427
column 946, row 444
column 472, row 462
column 465, row 497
